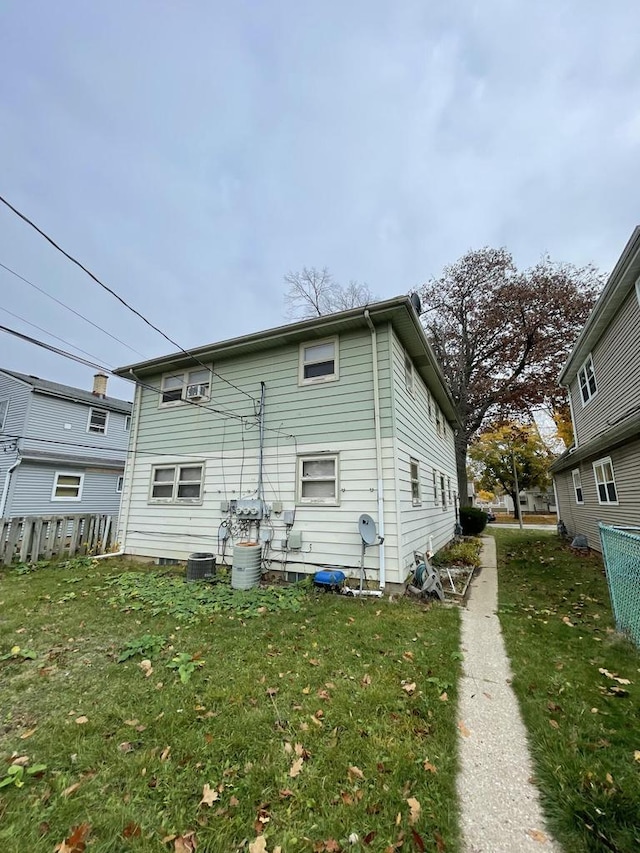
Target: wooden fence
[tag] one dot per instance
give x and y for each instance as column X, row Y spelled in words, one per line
column 31, row 538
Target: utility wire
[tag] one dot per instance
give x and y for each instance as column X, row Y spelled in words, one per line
column 69, row 308
column 46, row 332
column 117, row 295
column 94, row 366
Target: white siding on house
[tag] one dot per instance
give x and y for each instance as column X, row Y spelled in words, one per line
column 417, row 438
column 329, row 533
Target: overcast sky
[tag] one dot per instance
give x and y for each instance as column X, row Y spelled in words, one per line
column 191, row 153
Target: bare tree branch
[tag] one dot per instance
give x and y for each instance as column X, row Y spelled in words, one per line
column 313, row 293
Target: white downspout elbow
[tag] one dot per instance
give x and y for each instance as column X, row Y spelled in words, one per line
column 7, row 483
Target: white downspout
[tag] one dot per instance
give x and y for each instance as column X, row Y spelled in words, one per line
column 376, row 419
column 7, row 481
column 129, row 466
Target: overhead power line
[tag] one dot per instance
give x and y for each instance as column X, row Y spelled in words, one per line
column 73, row 310
column 103, row 369
column 117, row 295
column 46, row 332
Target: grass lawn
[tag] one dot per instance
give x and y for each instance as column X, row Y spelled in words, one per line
column 300, row 716
column 578, row 684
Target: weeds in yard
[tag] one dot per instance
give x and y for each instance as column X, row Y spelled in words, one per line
column 322, row 720
column 465, row 552
column 578, row 686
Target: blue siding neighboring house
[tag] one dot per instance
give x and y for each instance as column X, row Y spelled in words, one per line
column 62, row 449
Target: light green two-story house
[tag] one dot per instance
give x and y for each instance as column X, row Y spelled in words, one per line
column 288, row 436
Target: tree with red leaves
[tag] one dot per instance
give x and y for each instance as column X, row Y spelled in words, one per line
column 502, row 335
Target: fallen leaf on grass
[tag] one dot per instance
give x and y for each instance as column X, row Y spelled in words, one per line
column 407, row 656
column 296, row 768
column 613, row 676
column 429, row 766
column 164, row 755
column 537, row 835
column 464, row 731
column 285, row 793
column 409, row 688
column 132, row 830
column 444, row 697
column 366, row 680
column 568, row 621
column 27, row 734
column 414, row 810
column 636, row 754
column 554, row 724
column 71, row 789
column 355, row 772
column 185, row 843
column 126, row 746
column 145, row 666
column 306, row 690
column 209, row 796
column 417, row 840
column 76, row 841
column 20, row 761
column 258, row 845
column 82, row 720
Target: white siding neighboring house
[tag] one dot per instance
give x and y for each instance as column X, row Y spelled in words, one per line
column 598, row 478
column 357, row 419
column 63, row 447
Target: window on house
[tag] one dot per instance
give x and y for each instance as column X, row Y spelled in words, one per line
column 438, row 422
column 605, row 482
column 577, row 486
column 435, row 488
column 414, row 467
column 119, row 483
column 189, row 385
column 127, row 423
column 4, row 408
column 449, row 488
column 318, row 479
column 429, row 405
column 442, row 492
column 408, row 373
column 98, row 421
column 587, row 381
column 176, row 484
column 67, row 486
column 318, row 362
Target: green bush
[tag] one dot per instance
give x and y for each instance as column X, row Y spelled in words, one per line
column 465, row 553
column 473, row 520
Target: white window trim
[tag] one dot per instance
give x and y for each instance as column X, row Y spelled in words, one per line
column 307, row 457
column 586, row 402
column 318, row 380
column 638, row 289
column 183, row 401
column 106, row 420
column 415, row 501
column 602, row 462
column 442, row 492
column 409, row 382
column 578, row 485
column 119, row 484
column 127, row 423
column 6, row 400
column 174, row 500
column 435, row 487
column 56, row 477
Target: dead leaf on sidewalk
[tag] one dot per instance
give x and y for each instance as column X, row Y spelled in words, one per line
column 537, row 835
column 464, row 731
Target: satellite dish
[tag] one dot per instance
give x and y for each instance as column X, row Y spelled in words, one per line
column 367, row 528
column 417, row 305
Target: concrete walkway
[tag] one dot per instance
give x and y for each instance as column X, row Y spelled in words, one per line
column 500, row 807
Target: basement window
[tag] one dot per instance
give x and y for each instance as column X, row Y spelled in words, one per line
column 98, row 419
column 605, row 482
column 318, row 479
column 587, row 381
column 176, row 484
column 414, row 467
column 318, row 362
column 577, row 486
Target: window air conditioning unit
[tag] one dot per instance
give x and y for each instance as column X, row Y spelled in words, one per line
column 197, row 392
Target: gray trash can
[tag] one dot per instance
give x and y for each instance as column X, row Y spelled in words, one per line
column 200, row 567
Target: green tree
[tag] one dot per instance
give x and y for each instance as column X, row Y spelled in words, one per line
column 495, row 451
column 502, row 335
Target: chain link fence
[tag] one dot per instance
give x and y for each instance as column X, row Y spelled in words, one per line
column 621, row 552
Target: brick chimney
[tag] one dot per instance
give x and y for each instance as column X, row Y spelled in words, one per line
column 100, row 385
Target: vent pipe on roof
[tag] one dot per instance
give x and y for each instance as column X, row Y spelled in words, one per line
column 100, row 385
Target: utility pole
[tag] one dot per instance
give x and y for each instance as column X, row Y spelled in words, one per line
column 517, row 490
